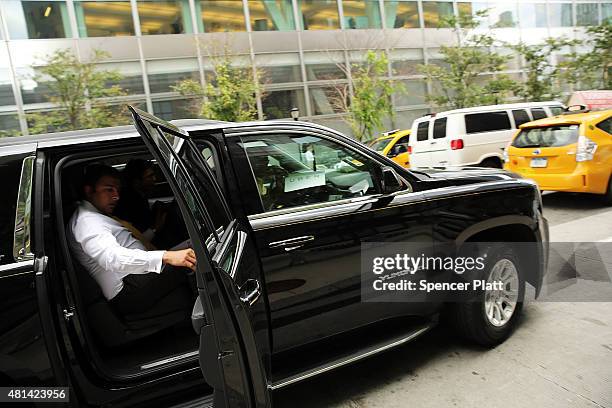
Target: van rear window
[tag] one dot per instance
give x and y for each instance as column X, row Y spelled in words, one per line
column 549, row 136
column 486, row 122
column 439, row 130
column 422, row 131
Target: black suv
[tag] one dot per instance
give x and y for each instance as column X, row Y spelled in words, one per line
column 277, row 212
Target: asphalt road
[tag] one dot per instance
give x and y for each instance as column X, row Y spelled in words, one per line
column 559, row 356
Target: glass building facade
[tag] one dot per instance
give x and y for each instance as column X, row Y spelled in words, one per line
column 296, row 44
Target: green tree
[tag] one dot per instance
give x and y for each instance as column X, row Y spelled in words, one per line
column 592, row 67
column 370, row 101
column 76, row 88
column 230, row 96
column 459, row 82
column 542, row 76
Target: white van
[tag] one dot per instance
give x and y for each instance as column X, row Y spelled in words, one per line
column 472, row 136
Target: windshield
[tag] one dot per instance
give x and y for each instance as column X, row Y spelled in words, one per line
column 379, row 145
column 549, row 136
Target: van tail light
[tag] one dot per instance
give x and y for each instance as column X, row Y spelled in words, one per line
column 456, row 144
column 586, row 149
column 409, row 149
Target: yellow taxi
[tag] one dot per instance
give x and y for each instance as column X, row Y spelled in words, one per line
column 570, row 152
column 394, row 145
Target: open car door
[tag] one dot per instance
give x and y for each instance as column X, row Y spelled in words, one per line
column 234, row 357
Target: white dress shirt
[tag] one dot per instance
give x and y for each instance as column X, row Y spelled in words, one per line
column 107, row 249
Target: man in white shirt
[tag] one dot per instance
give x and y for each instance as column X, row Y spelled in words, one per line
column 131, row 278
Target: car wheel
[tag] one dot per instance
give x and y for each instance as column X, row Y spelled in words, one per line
column 608, row 196
column 492, row 163
column 490, row 318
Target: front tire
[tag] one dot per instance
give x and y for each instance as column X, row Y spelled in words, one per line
column 608, row 195
column 490, row 319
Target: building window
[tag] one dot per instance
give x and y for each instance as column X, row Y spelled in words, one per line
column 36, row 19
column 279, row 68
column 9, row 125
column 532, row 15
column 319, row 14
column 271, row 15
column 606, row 12
column 586, row 14
column 361, row 14
column 560, row 15
column 504, row 15
column 321, row 66
column 104, row 18
column 222, row 15
column 405, row 62
column 325, row 100
column 415, row 94
column 163, row 74
column 174, row 109
column 164, row 17
column 402, row 14
column 435, row 11
column 278, row 104
column 131, row 82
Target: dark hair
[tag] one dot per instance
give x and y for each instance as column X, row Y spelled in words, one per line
column 134, row 170
column 94, row 172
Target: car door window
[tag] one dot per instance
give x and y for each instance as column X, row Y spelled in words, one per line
column 538, row 113
column 295, row 170
column 487, row 122
column 606, row 125
column 556, row 110
column 520, row 117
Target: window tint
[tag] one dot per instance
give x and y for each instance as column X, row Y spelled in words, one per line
column 486, row 122
column 439, row 130
column 550, row 136
column 293, row 170
column 538, row 113
column 556, row 110
column 520, row 117
column 423, row 131
column 606, row 125
column 10, row 171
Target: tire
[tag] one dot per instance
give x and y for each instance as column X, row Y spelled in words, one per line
column 492, row 163
column 608, row 195
column 470, row 318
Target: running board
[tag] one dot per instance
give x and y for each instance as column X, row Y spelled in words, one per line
column 351, row 358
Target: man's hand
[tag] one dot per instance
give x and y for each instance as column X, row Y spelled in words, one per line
column 184, row 257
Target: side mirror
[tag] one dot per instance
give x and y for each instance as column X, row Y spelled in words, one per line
column 391, row 181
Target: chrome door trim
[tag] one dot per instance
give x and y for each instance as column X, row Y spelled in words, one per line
column 350, row 359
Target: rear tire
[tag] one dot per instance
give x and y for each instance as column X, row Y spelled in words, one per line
column 490, row 319
column 491, row 162
column 608, row 195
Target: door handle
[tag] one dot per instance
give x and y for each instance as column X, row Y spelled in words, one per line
column 250, row 291
column 433, row 143
column 291, row 243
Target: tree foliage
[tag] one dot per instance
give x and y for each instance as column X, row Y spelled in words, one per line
column 591, row 67
column 76, row 88
column 370, row 102
column 459, row 83
column 230, row 96
column 542, row 76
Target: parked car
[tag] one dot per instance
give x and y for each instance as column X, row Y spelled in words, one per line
column 278, row 237
column 570, row 152
column 472, row 136
column 394, row 145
